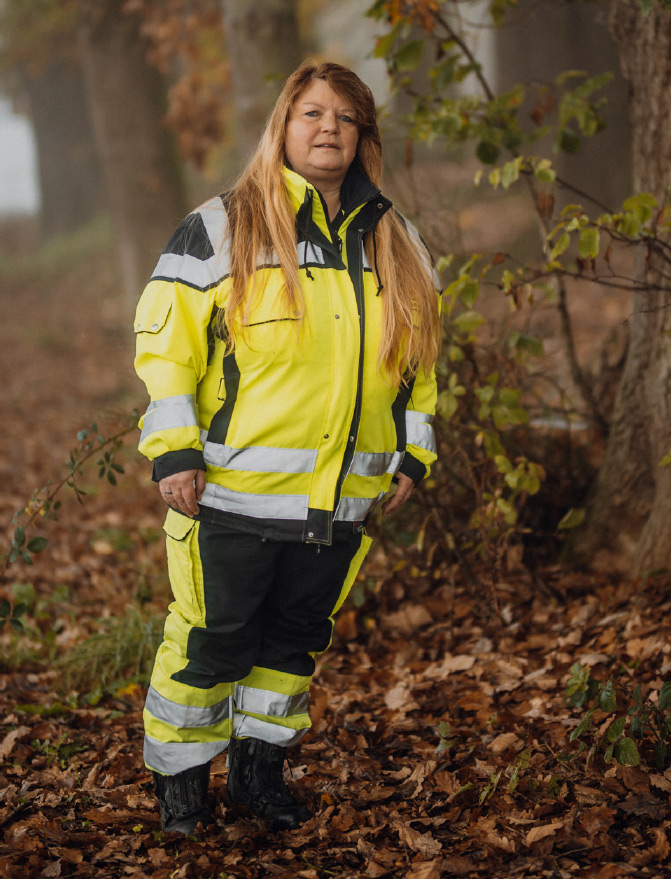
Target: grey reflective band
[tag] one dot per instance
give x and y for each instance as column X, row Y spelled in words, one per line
column 422, row 435
column 310, row 254
column 245, row 726
column 269, row 703
column 186, row 716
column 198, row 273
column 259, row 506
column 370, row 463
column 396, row 461
column 355, row 509
column 411, row 416
column 169, row 758
column 261, row 459
column 169, row 413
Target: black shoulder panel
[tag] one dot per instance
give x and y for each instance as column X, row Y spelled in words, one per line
column 191, row 239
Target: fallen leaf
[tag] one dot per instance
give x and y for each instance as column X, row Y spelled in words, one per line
column 541, row 832
column 502, row 742
column 10, row 740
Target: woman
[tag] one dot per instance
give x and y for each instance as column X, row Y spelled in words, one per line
column 287, row 340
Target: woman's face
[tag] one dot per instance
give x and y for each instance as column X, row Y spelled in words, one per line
column 321, row 136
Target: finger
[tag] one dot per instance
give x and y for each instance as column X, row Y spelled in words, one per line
column 201, row 483
column 189, row 502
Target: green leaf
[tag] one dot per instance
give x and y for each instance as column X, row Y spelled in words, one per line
column 111, row 478
column 572, row 519
column 661, row 753
column 17, row 625
column 511, row 172
column 561, row 245
column 526, row 342
column 409, row 56
column 664, row 696
column 488, row 153
column 607, row 698
column 584, row 725
column 19, row 537
column 19, row 609
column 5, row 608
column 569, row 141
column 589, row 242
column 626, row 752
column 615, row 730
column 37, row 544
column 646, row 6
column 468, row 322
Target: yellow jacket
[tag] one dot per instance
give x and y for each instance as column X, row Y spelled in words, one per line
column 299, row 432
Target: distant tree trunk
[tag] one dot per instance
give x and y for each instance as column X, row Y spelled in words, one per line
column 264, row 46
column 559, row 35
column 126, row 100
column 628, row 514
column 68, row 167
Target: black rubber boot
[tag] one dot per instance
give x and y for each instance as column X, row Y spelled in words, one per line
column 255, row 780
column 182, row 799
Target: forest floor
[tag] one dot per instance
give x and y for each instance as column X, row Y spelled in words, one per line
column 440, row 740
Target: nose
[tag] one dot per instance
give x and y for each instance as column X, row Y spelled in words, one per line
column 329, row 121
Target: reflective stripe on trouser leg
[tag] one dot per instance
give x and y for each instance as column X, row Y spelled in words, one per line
column 273, row 705
column 185, row 726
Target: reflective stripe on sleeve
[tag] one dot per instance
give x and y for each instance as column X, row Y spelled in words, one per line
column 261, row 459
column 269, row 703
column 419, row 431
column 186, row 716
column 168, row 413
column 259, row 506
column 169, row 758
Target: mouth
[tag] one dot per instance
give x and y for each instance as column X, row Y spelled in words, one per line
column 327, row 146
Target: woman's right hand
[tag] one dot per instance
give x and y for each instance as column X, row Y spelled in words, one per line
column 182, row 491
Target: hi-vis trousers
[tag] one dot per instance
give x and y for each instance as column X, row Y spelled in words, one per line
column 237, row 658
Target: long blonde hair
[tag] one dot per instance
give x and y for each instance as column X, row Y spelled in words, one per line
column 262, row 219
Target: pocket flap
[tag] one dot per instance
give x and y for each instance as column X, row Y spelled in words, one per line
column 177, row 525
column 152, row 314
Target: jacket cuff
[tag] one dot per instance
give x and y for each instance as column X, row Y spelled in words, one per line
column 176, row 462
column 413, row 468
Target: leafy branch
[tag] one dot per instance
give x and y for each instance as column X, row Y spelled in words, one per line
column 45, row 502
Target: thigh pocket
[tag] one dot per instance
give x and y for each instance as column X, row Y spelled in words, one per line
column 184, row 566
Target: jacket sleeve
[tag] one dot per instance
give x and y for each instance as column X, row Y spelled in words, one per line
column 172, row 326
column 420, row 450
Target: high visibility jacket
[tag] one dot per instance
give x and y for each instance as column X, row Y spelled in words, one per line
column 298, row 430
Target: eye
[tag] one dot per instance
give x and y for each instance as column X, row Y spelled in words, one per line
column 312, row 114
column 346, row 118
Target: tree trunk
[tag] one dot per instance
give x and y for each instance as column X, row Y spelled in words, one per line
column 68, row 166
column 140, row 166
column 628, row 525
column 264, row 46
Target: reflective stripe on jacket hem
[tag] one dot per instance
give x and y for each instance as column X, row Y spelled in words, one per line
column 261, row 459
column 258, row 506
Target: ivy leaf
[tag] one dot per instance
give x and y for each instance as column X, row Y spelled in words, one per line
column 615, row 730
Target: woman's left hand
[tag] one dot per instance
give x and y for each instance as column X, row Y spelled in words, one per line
column 403, row 491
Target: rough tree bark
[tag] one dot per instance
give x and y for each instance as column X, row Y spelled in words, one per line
column 140, row 167
column 628, row 525
column 264, row 46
